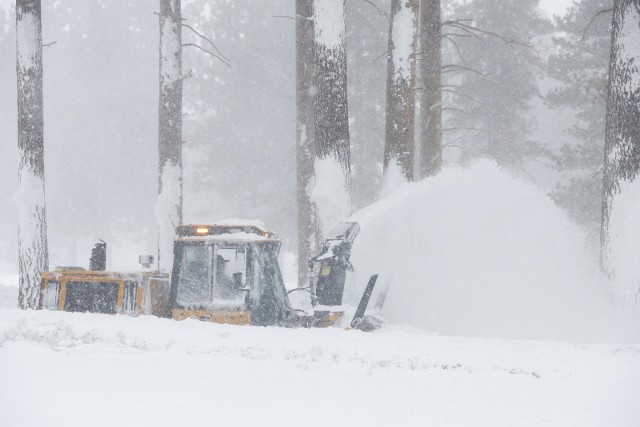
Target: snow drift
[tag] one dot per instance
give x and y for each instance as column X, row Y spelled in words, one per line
column 477, row 252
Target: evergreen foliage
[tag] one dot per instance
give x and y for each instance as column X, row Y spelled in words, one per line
column 581, row 68
column 493, row 81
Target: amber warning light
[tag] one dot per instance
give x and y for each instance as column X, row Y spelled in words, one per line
column 202, row 230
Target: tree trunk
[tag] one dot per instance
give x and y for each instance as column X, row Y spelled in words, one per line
column 332, row 190
column 33, row 256
column 620, row 232
column 401, row 76
column 169, row 203
column 431, row 90
column 308, row 227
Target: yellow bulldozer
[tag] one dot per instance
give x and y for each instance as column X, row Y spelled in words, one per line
column 223, row 273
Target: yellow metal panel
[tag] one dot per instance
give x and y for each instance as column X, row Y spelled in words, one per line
column 63, row 294
column 139, row 298
column 120, row 300
column 220, row 316
column 333, row 319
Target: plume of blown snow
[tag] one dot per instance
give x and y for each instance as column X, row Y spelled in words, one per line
column 477, row 252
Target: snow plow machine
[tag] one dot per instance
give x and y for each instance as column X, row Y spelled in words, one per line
column 221, row 273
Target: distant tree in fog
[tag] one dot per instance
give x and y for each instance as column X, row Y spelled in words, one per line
column 399, row 145
column 620, row 234
column 581, row 66
column 493, row 81
column 169, row 204
column 33, row 257
column 331, row 191
column 308, row 226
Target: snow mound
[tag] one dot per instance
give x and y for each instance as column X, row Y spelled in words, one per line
column 477, row 252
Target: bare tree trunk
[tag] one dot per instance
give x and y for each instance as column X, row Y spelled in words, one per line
column 308, row 227
column 431, row 90
column 169, row 204
column 33, row 255
column 332, row 190
column 620, row 233
column 399, row 144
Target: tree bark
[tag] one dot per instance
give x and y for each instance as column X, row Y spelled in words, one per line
column 620, row 233
column 401, row 76
column 332, row 170
column 33, row 255
column 169, row 203
column 431, row 89
column 309, row 244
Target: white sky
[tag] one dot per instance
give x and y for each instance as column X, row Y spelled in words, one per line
column 555, row 7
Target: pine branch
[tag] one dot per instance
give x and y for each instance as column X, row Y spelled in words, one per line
column 473, row 129
column 207, row 39
column 473, row 30
column 207, row 51
column 381, row 12
column 461, row 87
column 460, row 110
column 455, row 67
column 455, row 45
column 188, row 75
column 593, row 18
column 49, row 44
column 456, row 34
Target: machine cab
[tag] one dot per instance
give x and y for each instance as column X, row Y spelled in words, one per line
column 227, row 274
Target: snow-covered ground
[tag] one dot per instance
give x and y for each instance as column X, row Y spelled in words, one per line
column 123, row 371
column 67, row 369
column 497, row 317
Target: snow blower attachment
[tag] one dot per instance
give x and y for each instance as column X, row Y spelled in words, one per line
column 328, row 273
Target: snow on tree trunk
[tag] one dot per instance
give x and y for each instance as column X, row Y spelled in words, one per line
column 169, row 203
column 620, row 233
column 399, row 145
column 431, row 90
column 308, row 227
column 330, row 191
column 33, row 256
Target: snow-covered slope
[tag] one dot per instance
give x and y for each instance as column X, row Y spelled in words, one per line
column 65, row 369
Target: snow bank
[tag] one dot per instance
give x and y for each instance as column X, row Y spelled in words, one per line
column 476, row 252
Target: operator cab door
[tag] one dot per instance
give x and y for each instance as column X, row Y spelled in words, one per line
column 229, row 270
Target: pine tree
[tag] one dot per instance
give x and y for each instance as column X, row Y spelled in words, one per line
column 401, row 78
column 581, row 66
column 494, row 80
column 431, row 87
column 169, row 204
column 308, row 231
column 620, row 233
column 332, row 169
column 33, row 257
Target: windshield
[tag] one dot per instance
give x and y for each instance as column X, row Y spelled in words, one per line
column 212, row 276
